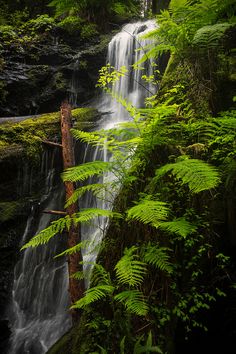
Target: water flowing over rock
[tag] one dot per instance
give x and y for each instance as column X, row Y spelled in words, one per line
column 39, row 308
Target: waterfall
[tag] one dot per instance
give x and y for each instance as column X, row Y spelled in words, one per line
column 39, row 308
column 125, row 49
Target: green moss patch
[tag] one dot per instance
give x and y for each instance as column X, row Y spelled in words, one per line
column 26, row 136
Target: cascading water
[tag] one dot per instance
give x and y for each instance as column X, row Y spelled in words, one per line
column 39, row 309
column 125, row 49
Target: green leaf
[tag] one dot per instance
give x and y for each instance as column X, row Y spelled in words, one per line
column 86, row 170
column 86, row 215
column 149, row 212
column 129, row 269
column 45, row 235
column 179, row 226
column 197, row 174
column 134, row 301
column 93, row 294
column 158, row 257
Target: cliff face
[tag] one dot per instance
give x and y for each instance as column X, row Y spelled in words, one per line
column 45, row 68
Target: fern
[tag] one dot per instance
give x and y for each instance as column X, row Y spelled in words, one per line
column 94, row 139
column 45, row 235
column 100, row 276
column 197, row 174
column 134, row 301
column 148, row 347
column 88, row 214
column 130, row 270
column 95, row 188
column 158, row 257
column 210, row 36
column 74, row 249
column 179, row 226
column 93, row 294
column 149, row 212
column 86, row 170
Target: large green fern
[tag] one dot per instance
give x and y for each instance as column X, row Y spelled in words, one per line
column 94, row 294
column 45, row 235
column 179, row 226
column 211, row 36
column 197, row 174
column 158, row 257
column 87, row 215
column 149, row 212
column 130, row 270
column 86, row 170
column 134, row 301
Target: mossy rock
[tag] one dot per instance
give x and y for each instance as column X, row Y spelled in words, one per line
column 25, row 137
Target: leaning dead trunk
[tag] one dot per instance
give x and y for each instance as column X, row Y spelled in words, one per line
column 76, row 287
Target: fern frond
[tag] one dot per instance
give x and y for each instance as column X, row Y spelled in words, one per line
column 86, row 170
column 45, row 235
column 95, row 188
column 88, row 214
column 197, row 174
column 129, row 269
column 94, row 139
column 93, row 294
column 179, row 226
column 134, row 301
column 149, row 212
column 148, row 347
column 100, row 276
column 210, row 36
column 78, row 275
column 158, row 257
column 74, row 249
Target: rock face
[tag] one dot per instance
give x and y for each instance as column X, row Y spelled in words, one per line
column 36, row 76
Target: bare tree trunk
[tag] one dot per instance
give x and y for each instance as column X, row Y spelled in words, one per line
column 76, row 287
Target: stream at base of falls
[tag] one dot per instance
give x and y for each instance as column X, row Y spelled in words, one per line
column 38, row 312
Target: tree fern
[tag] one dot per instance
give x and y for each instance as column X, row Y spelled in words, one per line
column 45, row 235
column 130, row 270
column 94, row 294
column 158, row 257
column 86, row 170
column 134, row 301
column 149, row 212
column 197, row 174
column 179, row 226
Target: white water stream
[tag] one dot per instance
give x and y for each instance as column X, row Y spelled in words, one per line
column 39, row 309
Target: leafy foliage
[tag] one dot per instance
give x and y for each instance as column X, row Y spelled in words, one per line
column 149, row 212
column 197, row 174
column 130, row 270
column 86, row 170
column 134, row 301
column 158, row 257
column 93, row 294
column 45, row 235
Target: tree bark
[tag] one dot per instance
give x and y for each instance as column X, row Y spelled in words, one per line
column 76, row 287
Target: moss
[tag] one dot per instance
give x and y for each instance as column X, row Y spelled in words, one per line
column 26, row 136
column 8, row 210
